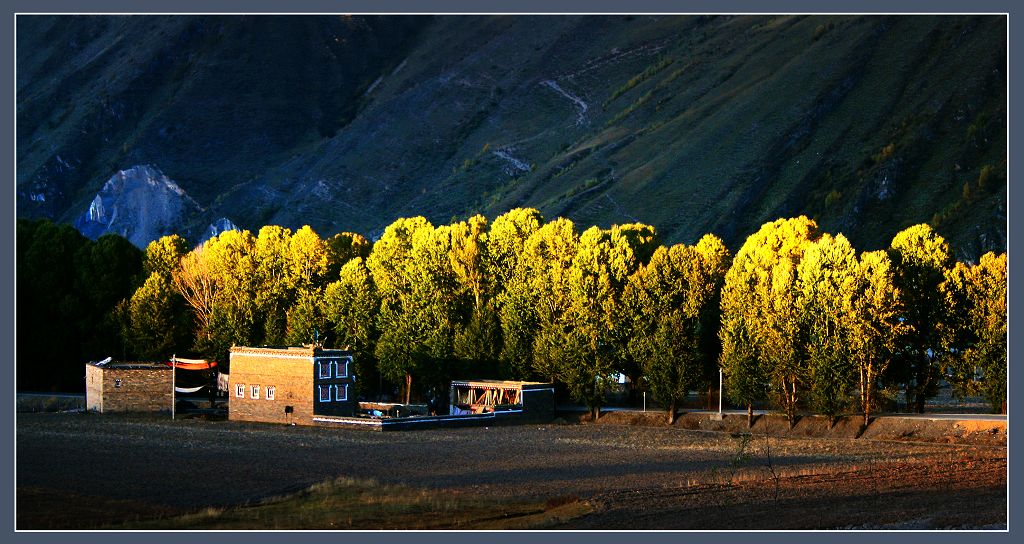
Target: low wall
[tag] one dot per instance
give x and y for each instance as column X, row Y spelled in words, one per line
column 512, row 417
column 887, row 427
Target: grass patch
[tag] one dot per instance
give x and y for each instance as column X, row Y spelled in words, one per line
column 649, row 72
column 347, row 503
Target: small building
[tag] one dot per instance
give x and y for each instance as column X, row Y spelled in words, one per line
column 535, row 400
column 128, row 387
column 290, row 384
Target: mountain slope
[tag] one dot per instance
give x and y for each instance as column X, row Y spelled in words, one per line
column 694, row 124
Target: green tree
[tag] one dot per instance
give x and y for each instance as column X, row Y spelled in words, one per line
column 541, row 290
column 307, row 260
column 158, row 319
column 306, row 322
column 510, row 281
column 274, row 294
column 976, row 331
column 761, row 336
column 875, row 312
column 506, row 241
column 478, row 334
column 827, row 277
column 392, row 264
column 666, row 302
column 351, row 305
column 232, row 317
column 921, row 258
column 163, row 255
column 342, row 248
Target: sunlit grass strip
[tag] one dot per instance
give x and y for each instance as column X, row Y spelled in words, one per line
column 347, row 503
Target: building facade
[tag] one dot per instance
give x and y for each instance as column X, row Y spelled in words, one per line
column 290, row 384
column 128, row 387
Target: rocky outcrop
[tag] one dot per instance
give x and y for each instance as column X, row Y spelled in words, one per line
column 141, row 204
column 221, row 225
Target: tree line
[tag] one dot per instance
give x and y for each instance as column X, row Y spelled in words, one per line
column 796, row 318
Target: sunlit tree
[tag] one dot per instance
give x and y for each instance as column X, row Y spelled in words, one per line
column 976, row 328
column 827, row 277
column 759, row 306
column 667, row 301
column 921, row 258
column 875, row 311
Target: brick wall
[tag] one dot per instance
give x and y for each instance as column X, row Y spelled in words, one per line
column 113, row 389
column 291, row 378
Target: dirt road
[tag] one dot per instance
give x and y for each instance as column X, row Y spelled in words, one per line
column 635, row 477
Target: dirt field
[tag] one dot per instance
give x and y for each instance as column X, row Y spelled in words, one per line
column 87, row 471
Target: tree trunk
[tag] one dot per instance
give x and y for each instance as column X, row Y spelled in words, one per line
column 866, row 400
column 408, row 387
column 750, row 415
column 919, row 403
column 595, row 413
column 672, row 412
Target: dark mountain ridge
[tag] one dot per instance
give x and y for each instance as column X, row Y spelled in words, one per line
column 694, row 124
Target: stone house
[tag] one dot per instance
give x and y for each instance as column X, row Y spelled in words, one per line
column 290, row 384
column 128, row 387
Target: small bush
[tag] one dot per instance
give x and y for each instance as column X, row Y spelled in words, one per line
column 984, row 175
column 819, row 32
column 832, row 198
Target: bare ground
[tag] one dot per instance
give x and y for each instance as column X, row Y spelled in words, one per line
column 86, row 471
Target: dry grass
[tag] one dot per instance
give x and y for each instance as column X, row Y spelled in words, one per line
column 347, row 503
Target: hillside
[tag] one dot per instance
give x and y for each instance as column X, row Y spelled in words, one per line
column 693, row 124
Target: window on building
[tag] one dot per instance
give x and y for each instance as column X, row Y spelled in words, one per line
column 270, row 392
column 343, row 368
column 341, row 392
column 325, row 393
column 255, row 392
column 117, row 382
column 325, row 369
column 240, row 390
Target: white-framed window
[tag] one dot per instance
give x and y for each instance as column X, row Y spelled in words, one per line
column 325, row 369
column 325, row 393
column 343, row 368
column 341, row 392
column 270, row 392
column 240, row 390
column 254, row 392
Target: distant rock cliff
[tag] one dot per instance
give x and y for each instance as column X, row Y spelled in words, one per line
column 141, row 204
column 217, row 227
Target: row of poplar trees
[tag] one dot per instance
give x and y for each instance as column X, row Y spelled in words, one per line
column 795, row 314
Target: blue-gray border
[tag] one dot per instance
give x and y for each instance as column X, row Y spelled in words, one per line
column 7, row 234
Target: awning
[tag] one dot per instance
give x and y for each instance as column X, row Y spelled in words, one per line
column 191, row 364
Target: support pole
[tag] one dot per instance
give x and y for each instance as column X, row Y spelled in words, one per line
column 174, row 363
column 719, row 392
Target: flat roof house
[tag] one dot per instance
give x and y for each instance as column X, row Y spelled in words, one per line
column 128, row 387
column 290, row 384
